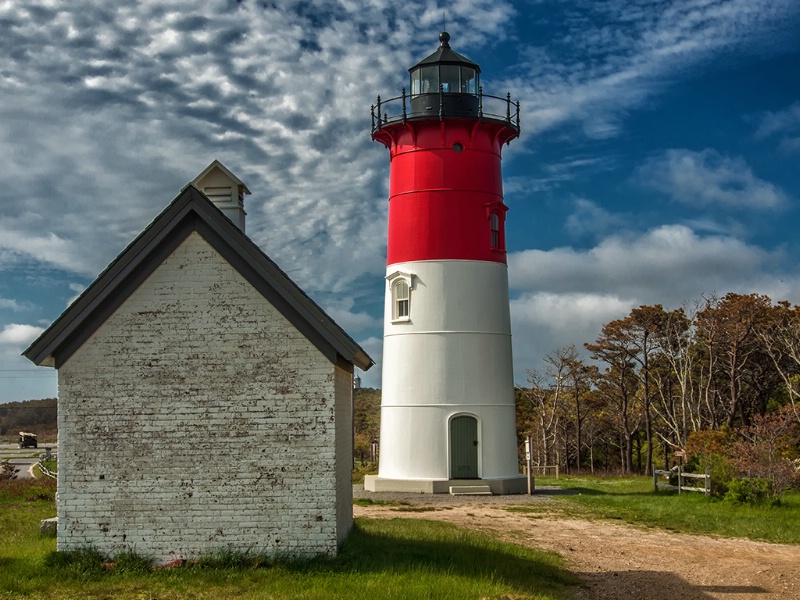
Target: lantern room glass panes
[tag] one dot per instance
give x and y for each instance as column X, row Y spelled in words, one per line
column 469, row 81
column 429, row 80
column 416, row 85
column 450, row 78
column 454, row 79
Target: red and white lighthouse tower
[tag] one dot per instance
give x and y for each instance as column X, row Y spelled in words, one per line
column 447, row 410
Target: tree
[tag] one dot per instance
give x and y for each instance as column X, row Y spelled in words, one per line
column 624, row 345
column 546, row 398
column 578, row 378
column 545, row 409
column 644, row 325
column 781, row 341
column 366, row 420
column 729, row 330
column 618, row 384
column 676, row 397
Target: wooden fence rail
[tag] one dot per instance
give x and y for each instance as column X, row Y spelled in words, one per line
column 706, row 489
column 45, row 471
column 544, row 470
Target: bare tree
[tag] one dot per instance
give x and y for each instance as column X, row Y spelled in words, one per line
column 781, row 341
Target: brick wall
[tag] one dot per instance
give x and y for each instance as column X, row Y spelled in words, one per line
column 344, row 452
column 196, row 418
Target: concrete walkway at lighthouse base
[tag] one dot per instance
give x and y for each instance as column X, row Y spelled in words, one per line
column 501, row 486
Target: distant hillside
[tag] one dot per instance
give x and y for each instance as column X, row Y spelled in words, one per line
column 35, row 416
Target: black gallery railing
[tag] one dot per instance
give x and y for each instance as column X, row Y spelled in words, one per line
column 398, row 109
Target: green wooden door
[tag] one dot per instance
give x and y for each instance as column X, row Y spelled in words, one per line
column 464, row 448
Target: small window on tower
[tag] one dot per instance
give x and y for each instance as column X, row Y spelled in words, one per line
column 401, row 297
column 494, row 227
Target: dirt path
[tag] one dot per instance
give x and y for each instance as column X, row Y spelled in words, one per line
column 620, row 561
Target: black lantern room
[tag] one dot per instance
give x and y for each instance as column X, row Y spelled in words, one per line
column 448, row 74
column 445, row 85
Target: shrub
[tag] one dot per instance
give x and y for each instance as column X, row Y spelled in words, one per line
column 7, row 470
column 750, row 491
column 710, row 451
column 766, row 449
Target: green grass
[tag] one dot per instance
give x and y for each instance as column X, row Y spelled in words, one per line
column 50, row 465
column 382, row 558
column 632, row 499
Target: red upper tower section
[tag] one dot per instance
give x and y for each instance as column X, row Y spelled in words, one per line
column 445, row 141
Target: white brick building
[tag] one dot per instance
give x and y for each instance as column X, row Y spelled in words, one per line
column 205, row 401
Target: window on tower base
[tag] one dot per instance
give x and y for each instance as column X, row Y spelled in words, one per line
column 401, row 302
column 401, row 296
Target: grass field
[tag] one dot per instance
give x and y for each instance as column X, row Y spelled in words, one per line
column 390, row 558
column 631, row 499
column 383, row 558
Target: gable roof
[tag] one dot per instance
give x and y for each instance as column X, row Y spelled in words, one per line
column 191, row 211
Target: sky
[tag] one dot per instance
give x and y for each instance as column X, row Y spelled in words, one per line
column 659, row 159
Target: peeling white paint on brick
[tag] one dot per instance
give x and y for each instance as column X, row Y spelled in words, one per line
column 197, row 417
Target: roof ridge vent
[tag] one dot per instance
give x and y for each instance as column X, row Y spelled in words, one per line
column 225, row 190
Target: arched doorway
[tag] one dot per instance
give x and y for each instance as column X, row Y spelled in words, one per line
column 464, row 447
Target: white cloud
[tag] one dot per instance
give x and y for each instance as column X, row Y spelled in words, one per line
column 708, row 178
column 15, row 334
column 669, row 263
column 14, row 305
column 779, row 122
column 783, row 124
column 543, row 322
column 21, row 380
column 353, row 322
column 588, row 218
column 564, row 296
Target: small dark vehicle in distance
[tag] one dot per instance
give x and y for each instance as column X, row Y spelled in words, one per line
column 27, row 440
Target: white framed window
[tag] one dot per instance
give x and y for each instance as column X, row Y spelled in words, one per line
column 401, row 297
column 401, row 288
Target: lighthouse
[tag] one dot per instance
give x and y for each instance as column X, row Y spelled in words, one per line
column 447, row 410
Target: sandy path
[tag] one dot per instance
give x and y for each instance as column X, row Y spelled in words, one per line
column 620, row 561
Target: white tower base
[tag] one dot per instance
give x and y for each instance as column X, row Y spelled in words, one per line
column 447, row 407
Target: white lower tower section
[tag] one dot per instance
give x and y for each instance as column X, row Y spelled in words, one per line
column 447, row 357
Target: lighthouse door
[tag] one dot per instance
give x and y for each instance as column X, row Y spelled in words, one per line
column 464, row 448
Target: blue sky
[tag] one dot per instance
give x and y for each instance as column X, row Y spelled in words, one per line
column 658, row 160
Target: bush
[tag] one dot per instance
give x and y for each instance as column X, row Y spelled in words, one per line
column 710, row 452
column 7, row 470
column 767, row 448
column 365, row 468
column 753, row 491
